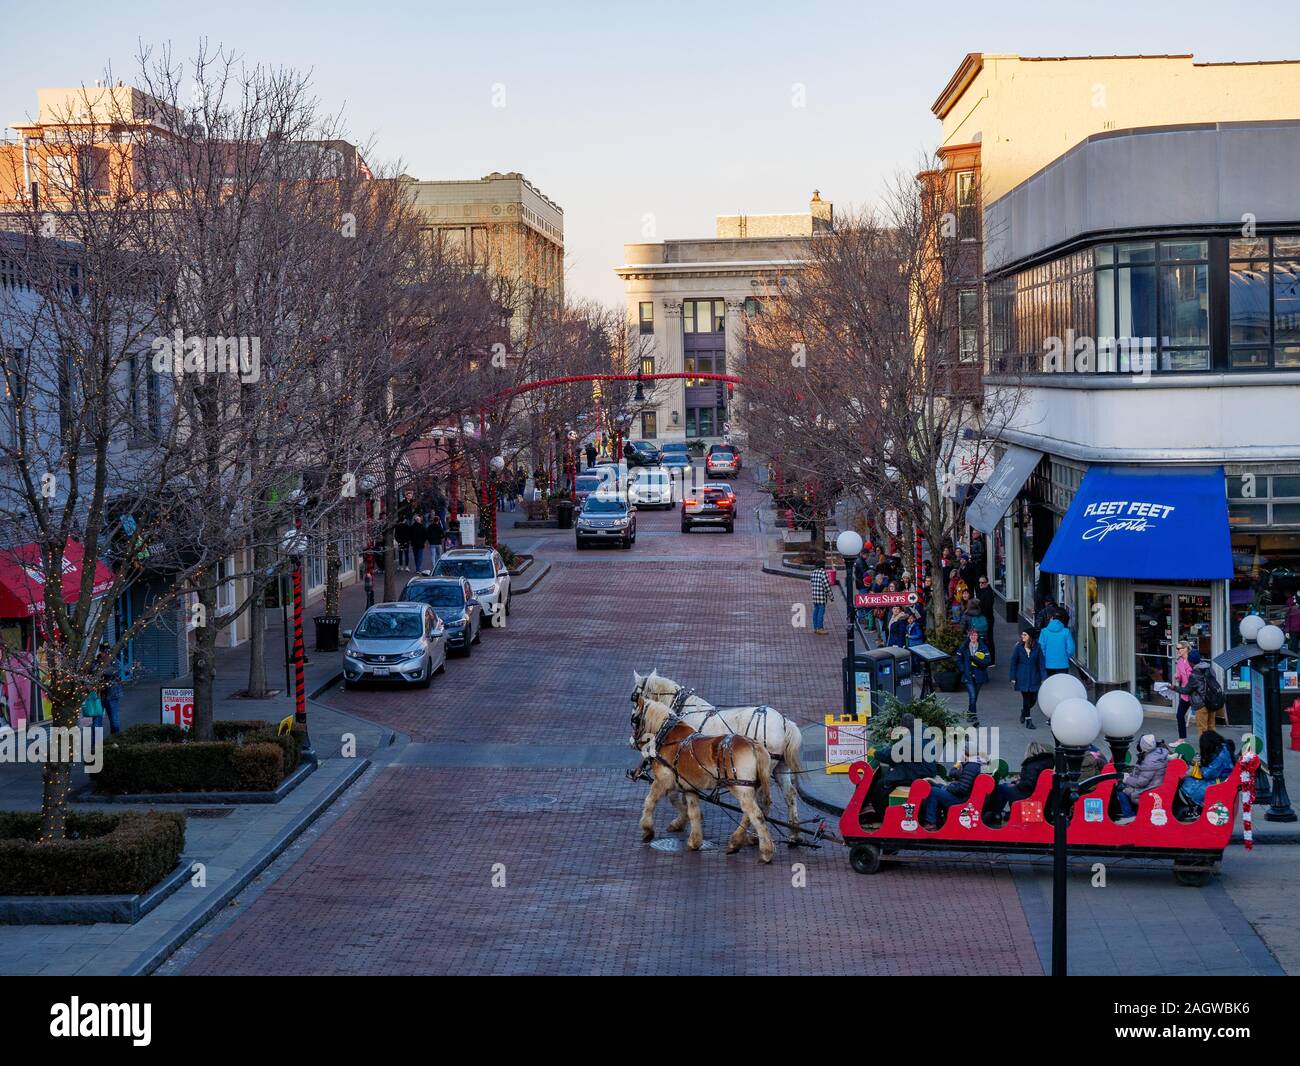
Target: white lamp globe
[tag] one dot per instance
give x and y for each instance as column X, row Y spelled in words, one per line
column 1120, row 713
column 498, row 464
column 1270, row 638
column 1249, row 627
column 1059, row 687
column 1075, row 722
column 849, row 543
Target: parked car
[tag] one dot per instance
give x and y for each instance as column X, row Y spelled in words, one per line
column 606, row 518
column 676, row 455
column 642, row 453
column 722, row 461
column 652, row 486
column 711, row 505
column 395, row 642
column 452, row 599
column 487, row 575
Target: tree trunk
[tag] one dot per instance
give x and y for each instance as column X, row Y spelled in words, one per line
column 204, row 668
column 257, row 687
column 56, row 780
column 332, row 568
column 390, row 545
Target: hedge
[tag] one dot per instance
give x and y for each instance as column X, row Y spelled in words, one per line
column 121, row 853
column 246, row 756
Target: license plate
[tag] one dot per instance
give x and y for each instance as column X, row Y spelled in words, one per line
column 381, row 671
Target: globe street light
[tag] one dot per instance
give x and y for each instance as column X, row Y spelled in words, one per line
column 849, row 544
column 1249, row 627
column 1268, row 640
column 1057, row 688
column 1121, row 717
column 1075, row 723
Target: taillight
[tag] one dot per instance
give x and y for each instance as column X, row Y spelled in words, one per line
column 690, row 503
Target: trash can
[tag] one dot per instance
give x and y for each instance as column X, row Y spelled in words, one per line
column 327, row 632
column 564, row 514
column 467, row 535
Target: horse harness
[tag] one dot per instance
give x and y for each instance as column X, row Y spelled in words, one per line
column 726, row 776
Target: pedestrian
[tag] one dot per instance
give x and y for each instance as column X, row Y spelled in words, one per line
column 896, row 635
column 915, row 631
column 1203, row 690
column 111, row 692
column 1293, row 622
column 970, row 571
column 591, row 454
column 820, row 591
column 1058, row 646
column 973, row 618
column 1182, row 675
column 92, row 707
column 419, row 538
column 437, row 534
column 984, row 596
column 368, row 582
column 402, row 535
column 945, row 566
column 1027, row 673
column 972, row 658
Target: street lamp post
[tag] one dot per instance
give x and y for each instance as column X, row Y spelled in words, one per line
column 1121, row 717
column 849, row 544
column 296, row 544
column 1075, row 723
column 1270, row 640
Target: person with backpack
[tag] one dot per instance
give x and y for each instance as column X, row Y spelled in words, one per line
column 1203, row 691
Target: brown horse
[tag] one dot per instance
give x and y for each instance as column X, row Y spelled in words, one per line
column 680, row 758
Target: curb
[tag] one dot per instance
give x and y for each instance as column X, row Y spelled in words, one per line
column 150, row 960
column 539, row 570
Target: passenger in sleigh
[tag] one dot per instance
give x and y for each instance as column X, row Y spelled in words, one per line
column 899, row 765
column 1217, row 758
column 1038, row 757
column 1148, row 774
column 957, row 789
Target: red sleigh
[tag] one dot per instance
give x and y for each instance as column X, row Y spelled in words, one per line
column 1154, row 833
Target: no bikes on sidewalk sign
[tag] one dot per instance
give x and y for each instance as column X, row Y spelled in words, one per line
column 886, row 599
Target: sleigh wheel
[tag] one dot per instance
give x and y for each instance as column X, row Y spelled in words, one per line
column 1192, row 876
column 865, row 858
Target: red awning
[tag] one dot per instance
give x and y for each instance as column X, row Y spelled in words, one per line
column 22, row 578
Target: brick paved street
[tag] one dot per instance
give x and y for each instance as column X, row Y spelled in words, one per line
column 515, row 766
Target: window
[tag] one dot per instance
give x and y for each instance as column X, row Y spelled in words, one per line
column 478, row 245
column 968, row 324
column 753, row 306
column 647, row 314
column 647, row 364
column 1264, row 302
column 703, row 316
column 649, row 425
column 967, row 207
column 225, row 586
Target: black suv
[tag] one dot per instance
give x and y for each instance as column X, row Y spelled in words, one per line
column 642, row 453
column 452, row 600
column 606, row 518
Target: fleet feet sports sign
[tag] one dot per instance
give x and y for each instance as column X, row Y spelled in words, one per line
column 1164, row 523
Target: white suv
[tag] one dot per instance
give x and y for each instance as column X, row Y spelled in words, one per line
column 652, row 486
column 487, row 574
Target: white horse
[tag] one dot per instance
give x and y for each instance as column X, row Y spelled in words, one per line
column 779, row 734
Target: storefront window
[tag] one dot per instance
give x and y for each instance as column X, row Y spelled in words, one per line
column 1000, row 557
column 1266, row 573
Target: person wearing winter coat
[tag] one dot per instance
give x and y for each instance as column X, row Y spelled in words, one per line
column 1198, row 683
column 972, row 662
column 819, row 589
column 1057, row 643
column 402, row 537
column 957, row 788
column 1216, row 764
column 1293, row 622
column 1148, row 773
column 915, row 631
column 419, row 537
column 1028, row 670
column 1039, row 756
column 896, row 636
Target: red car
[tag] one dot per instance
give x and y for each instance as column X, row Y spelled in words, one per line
column 712, row 505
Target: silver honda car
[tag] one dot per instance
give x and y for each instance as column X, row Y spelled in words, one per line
column 395, row 642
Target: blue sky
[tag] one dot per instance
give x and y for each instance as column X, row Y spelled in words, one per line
column 619, row 111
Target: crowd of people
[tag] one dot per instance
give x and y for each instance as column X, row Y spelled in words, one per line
column 903, row 763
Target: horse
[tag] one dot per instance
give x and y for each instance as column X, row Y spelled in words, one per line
column 680, row 758
column 779, row 734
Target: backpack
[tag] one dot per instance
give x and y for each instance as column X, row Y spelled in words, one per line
column 1214, row 697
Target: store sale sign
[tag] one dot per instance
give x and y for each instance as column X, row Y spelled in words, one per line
column 178, row 707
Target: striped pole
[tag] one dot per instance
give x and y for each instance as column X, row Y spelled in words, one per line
column 299, row 673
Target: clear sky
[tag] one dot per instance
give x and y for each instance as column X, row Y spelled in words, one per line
column 630, row 114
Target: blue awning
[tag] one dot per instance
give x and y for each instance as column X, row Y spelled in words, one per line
column 1145, row 523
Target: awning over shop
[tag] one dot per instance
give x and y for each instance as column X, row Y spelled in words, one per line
column 1145, row 523
column 22, row 578
column 1001, row 489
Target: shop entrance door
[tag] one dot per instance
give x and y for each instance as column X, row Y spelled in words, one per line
column 1161, row 618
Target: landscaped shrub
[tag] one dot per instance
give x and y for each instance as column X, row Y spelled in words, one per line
column 246, row 756
column 121, row 853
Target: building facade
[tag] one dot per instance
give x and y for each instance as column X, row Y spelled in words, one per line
column 689, row 300
column 1141, row 316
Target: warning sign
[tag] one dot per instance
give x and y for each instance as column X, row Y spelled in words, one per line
column 846, row 742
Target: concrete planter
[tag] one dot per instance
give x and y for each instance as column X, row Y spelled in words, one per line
column 89, row 910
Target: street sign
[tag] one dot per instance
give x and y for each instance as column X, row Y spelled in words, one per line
column 1258, row 714
column 178, row 707
column 886, row 599
column 846, row 742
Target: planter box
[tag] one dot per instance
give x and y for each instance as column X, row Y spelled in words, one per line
column 87, row 794
column 90, row 910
